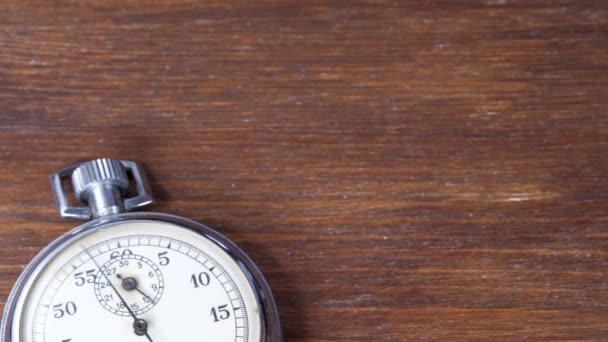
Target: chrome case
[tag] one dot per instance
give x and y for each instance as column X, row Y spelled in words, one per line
column 271, row 331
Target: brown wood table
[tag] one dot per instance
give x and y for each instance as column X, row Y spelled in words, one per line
column 400, row 171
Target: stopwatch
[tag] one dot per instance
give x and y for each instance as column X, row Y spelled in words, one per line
column 135, row 276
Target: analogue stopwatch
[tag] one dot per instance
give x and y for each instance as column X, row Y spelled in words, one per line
column 135, row 277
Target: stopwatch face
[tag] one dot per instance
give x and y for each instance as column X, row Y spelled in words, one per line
column 138, row 281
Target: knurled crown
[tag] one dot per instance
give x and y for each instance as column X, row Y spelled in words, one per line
column 99, row 171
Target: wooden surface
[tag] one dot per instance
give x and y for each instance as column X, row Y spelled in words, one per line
column 400, row 171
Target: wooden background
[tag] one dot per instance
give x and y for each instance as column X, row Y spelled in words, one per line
column 400, row 170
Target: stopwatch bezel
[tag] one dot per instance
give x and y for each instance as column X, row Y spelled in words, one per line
column 269, row 316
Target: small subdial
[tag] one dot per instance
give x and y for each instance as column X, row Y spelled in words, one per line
column 137, row 279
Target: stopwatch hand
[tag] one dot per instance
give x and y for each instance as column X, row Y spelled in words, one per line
column 145, row 295
column 140, row 326
column 131, row 284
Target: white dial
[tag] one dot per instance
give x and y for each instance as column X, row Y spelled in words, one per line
column 138, row 281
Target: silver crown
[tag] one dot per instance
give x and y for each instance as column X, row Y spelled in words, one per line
column 103, row 186
column 99, row 171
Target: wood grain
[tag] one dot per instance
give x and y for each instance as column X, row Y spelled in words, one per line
column 400, row 170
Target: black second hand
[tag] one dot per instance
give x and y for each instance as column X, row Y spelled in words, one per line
column 124, row 302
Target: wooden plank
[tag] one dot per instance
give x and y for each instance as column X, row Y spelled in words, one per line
column 400, row 171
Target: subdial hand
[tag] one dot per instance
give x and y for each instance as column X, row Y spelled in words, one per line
column 130, row 284
column 140, row 326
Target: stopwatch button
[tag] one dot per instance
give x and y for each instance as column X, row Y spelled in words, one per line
column 97, row 172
